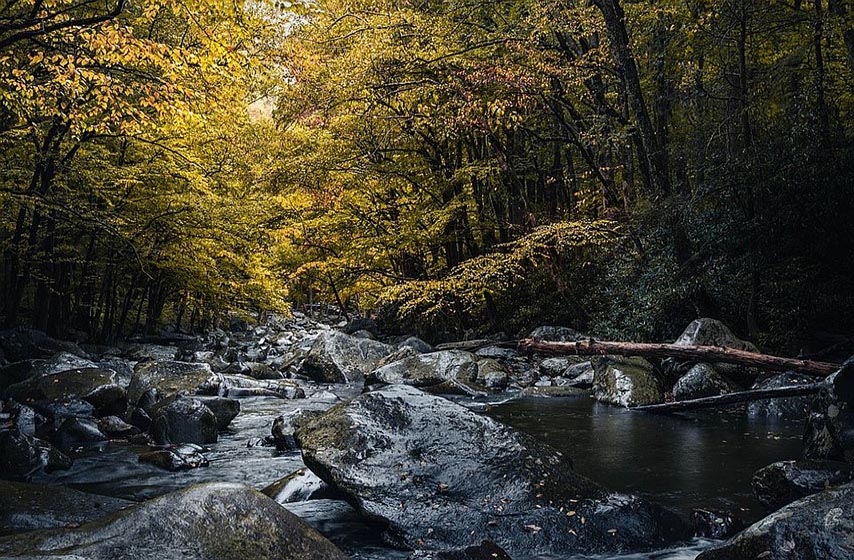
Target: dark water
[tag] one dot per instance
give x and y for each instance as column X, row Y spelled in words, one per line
column 682, row 462
column 686, row 462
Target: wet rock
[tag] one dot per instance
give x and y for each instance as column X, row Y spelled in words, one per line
column 626, row 382
column 183, row 420
column 22, row 455
column 423, row 370
column 486, row 550
column 258, row 370
column 820, row 526
column 219, row 521
column 300, row 486
column 338, row 358
column 57, row 411
column 24, row 344
column 784, row 482
column 416, row 344
column 76, row 432
column 829, row 430
column 16, row 372
column 157, row 352
column 224, row 409
column 168, row 378
column 442, row 477
column 93, row 385
column 555, row 334
column 360, row 324
column 708, row 332
column 139, row 418
column 176, row 458
column 497, row 352
column 59, row 362
column 282, row 435
column 237, row 386
column 702, row 380
column 492, row 374
column 20, row 417
column 364, row 334
column 554, row 391
column 560, row 366
column 27, row 507
column 791, row 407
column 715, row 524
column 116, row 428
column 122, row 367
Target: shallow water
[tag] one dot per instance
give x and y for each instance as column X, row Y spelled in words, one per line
column 680, row 461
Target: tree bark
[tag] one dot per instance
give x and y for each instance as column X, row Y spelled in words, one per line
column 714, row 354
column 733, row 398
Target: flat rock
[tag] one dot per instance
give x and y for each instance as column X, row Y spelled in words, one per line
column 168, row 378
column 27, row 507
column 442, row 477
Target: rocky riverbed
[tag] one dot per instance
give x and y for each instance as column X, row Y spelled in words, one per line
column 294, row 439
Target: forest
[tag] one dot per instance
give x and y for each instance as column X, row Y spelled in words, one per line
column 448, row 167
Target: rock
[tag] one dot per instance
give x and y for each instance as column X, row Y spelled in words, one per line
column 59, row 362
column 176, row 458
column 708, row 332
column 626, row 382
column 338, row 358
column 141, row 352
column 258, row 370
column 442, row 477
column 27, row 507
column 364, row 334
column 21, row 455
column 114, row 427
column 416, row 344
column 183, row 420
column 829, row 430
column 492, row 374
column 20, row 417
column 20, row 343
column 784, row 482
column 282, row 435
column 486, row 550
column 564, row 366
column 555, row 334
column 423, row 370
column 496, row 352
column 57, row 411
column 237, row 386
column 702, row 380
column 75, row 432
column 122, row 367
column 16, row 372
column 224, row 409
column 93, row 385
column 820, row 526
column 219, row 521
column 717, row 525
column 300, row 486
column 168, row 378
column 554, row 391
column 791, row 407
column 360, row 324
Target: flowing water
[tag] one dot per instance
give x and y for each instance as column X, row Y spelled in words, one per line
column 681, row 461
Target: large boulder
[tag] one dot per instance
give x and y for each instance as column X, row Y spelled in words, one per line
column 183, row 420
column 168, row 378
column 27, row 507
column 820, row 526
column 424, row 370
column 22, row 455
column 61, row 361
column 784, row 482
column 219, row 521
column 550, row 333
column 626, row 381
column 790, row 407
column 97, row 386
column 20, row 343
column 439, row 476
column 224, row 409
column 702, row 380
column 708, row 332
column 339, row 358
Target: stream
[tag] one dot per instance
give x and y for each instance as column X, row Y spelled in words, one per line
column 683, row 462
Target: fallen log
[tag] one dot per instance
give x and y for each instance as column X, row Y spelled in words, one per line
column 710, row 354
column 733, row 398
